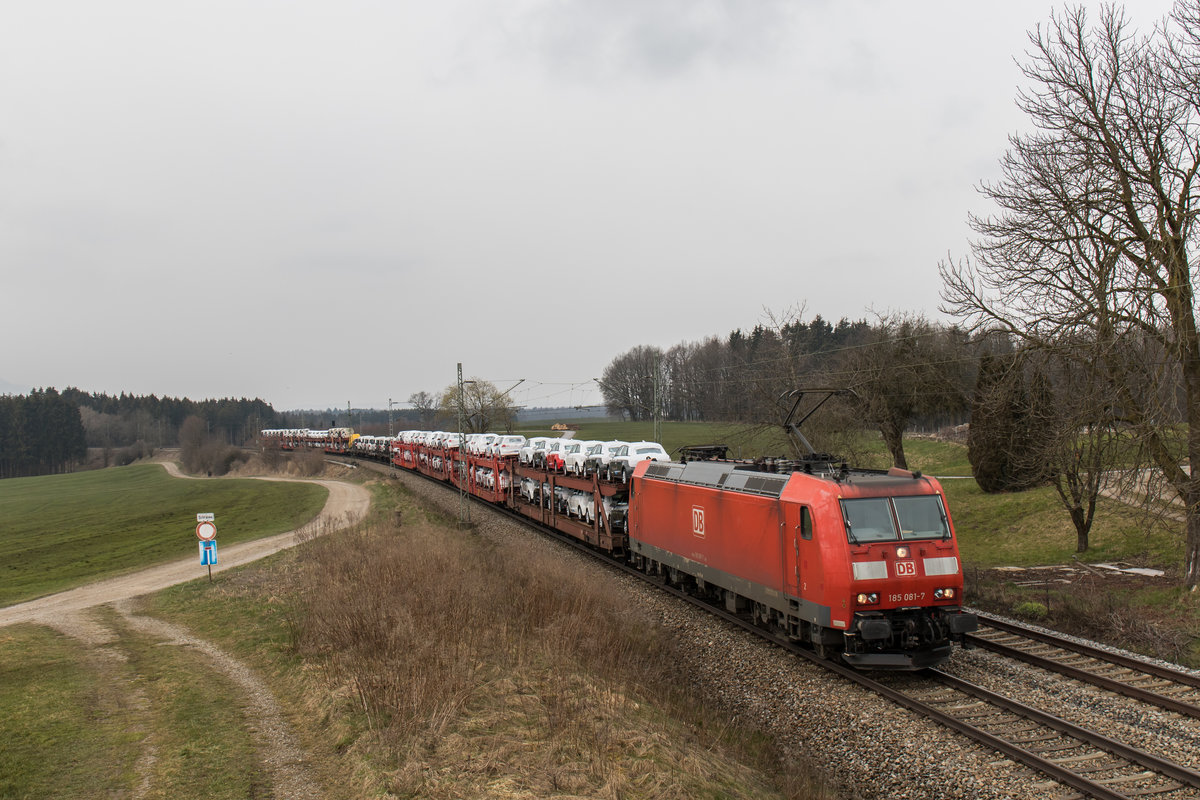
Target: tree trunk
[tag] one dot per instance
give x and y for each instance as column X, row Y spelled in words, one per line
column 1082, row 528
column 1191, row 543
column 893, row 438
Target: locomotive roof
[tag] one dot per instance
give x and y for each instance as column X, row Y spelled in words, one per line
column 752, row 479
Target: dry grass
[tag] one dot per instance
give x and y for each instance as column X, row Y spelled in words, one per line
column 308, row 463
column 459, row 670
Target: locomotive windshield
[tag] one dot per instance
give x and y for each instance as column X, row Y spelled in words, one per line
column 887, row 519
column 921, row 517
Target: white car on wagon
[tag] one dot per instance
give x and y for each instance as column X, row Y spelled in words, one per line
column 597, row 461
column 534, row 445
column 576, row 452
column 626, row 457
column 507, row 445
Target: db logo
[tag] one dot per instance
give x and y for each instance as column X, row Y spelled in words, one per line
column 698, row 520
column 906, row 568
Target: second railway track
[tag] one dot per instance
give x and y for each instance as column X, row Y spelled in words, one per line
column 1167, row 688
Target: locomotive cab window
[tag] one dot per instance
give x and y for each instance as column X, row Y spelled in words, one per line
column 921, row 517
column 806, row 524
column 869, row 520
column 887, row 519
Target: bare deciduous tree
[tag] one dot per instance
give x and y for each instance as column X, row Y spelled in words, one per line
column 426, row 406
column 1077, row 434
column 1097, row 213
column 484, row 407
column 632, row 381
column 905, row 366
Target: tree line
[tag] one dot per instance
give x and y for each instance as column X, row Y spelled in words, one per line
column 40, row 433
column 900, row 371
column 48, row 431
column 112, row 421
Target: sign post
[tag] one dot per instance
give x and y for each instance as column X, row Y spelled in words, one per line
column 206, row 532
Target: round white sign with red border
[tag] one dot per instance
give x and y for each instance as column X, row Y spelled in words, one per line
column 206, row 531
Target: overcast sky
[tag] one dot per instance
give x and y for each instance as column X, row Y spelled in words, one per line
column 318, row 203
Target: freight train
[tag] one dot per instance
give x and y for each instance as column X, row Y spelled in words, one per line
column 861, row 565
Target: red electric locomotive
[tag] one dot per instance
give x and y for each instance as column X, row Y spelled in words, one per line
column 860, row 563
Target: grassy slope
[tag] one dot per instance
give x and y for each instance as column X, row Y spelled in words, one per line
column 66, row 716
column 1032, row 528
column 62, row 530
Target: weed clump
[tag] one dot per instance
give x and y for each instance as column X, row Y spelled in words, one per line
column 1030, row 609
column 309, row 463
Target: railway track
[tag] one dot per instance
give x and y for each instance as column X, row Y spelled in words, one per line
column 1093, row 764
column 1167, row 688
column 1084, row 762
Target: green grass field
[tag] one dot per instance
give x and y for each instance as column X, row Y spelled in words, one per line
column 59, row 531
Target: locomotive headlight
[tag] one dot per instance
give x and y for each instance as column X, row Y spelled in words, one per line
column 943, row 594
column 902, row 552
column 867, row 599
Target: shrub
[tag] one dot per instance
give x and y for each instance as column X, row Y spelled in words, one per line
column 1003, row 432
column 309, row 462
column 127, row 455
column 272, row 458
column 1030, row 610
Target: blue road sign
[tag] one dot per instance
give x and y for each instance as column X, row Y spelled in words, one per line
column 208, row 554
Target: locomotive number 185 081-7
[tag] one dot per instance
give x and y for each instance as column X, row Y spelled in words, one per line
column 907, row 597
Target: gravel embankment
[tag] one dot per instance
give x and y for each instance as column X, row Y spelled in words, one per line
column 866, row 746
